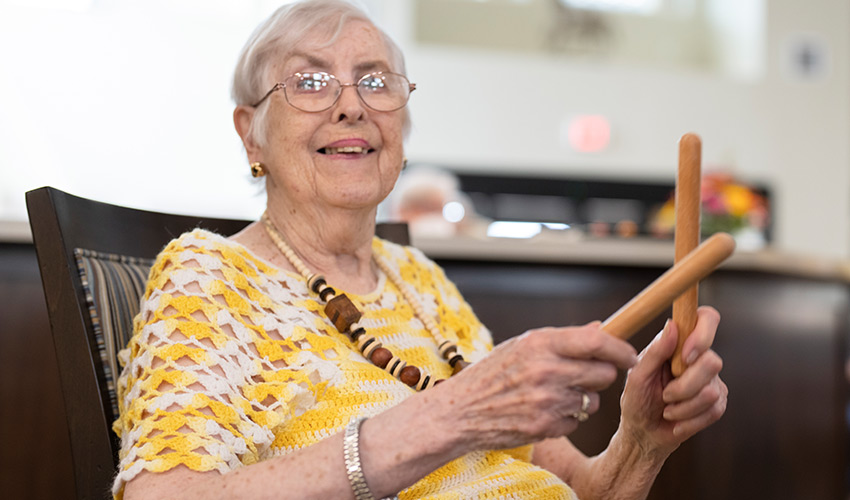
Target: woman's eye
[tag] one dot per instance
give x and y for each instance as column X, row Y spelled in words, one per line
column 310, row 85
column 373, row 83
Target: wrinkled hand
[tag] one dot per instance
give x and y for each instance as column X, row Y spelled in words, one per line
column 661, row 412
column 530, row 387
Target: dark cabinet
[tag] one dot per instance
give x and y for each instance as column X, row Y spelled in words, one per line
column 782, row 338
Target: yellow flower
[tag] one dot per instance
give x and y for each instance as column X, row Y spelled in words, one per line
column 738, row 199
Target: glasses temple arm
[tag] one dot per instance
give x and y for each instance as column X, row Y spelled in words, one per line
column 276, row 87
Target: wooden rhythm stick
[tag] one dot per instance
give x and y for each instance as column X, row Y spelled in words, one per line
column 687, row 238
column 658, row 296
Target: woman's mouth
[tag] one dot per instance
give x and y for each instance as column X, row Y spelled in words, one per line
column 346, row 150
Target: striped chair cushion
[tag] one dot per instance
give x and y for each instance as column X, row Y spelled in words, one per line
column 114, row 285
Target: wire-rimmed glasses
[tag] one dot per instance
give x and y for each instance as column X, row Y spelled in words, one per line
column 317, row 91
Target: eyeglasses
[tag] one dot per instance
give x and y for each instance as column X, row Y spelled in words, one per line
column 315, row 92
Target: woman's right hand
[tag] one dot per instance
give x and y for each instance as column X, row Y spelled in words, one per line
column 530, row 387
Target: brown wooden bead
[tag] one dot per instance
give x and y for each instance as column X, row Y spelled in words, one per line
column 342, row 312
column 410, row 375
column 460, row 365
column 381, row 357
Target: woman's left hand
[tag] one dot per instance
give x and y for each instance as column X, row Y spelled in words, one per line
column 661, row 412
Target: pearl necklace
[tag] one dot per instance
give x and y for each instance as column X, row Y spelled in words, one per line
column 345, row 317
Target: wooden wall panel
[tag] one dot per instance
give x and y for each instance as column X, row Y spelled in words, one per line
column 35, row 456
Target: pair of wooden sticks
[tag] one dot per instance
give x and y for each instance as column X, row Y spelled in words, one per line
column 693, row 262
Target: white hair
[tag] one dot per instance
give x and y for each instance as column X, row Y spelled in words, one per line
column 279, row 35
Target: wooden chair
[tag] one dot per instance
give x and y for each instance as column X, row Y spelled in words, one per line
column 94, row 260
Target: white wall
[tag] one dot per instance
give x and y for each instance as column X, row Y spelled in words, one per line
column 787, row 133
column 128, row 103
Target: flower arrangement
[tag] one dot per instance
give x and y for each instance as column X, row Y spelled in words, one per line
column 727, row 206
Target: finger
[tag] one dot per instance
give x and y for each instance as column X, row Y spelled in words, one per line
column 529, row 363
column 590, row 342
column 580, row 409
column 686, row 428
column 658, row 352
column 556, row 373
column 595, row 402
column 701, row 339
column 575, row 403
column 696, row 376
column 691, row 408
column 591, row 375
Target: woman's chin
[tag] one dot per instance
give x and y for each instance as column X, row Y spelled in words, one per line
column 354, row 199
column 353, row 192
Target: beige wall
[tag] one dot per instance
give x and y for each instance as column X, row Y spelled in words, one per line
column 789, row 134
column 140, row 90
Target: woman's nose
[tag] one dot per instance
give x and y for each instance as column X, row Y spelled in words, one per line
column 349, row 106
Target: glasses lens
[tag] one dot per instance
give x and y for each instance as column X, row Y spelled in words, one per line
column 384, row 91
column 311, row 91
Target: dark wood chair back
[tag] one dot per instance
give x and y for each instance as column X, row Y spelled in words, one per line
column 94, row 259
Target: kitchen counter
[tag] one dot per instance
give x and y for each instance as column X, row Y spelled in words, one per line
column 634, row 252
column 572, row 249
column 14, row 231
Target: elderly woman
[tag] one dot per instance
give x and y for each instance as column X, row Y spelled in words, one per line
column 305, row 358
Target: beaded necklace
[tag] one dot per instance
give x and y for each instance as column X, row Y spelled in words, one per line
column 345, row 317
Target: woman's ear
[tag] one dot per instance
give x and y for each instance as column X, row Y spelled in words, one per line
column 243, row 116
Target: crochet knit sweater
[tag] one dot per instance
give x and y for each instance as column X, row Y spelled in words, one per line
column 233, row 362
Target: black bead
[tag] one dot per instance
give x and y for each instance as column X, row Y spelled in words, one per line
column 357, row 333
column 327, row 291
column 454, row 359
column 317, row 285
column 366, row 344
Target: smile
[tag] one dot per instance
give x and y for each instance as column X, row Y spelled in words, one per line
column 354, row 150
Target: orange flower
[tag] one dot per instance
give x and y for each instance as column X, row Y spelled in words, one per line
column 726, row 206
column 739, row 199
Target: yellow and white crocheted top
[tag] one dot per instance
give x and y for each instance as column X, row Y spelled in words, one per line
column 233, row 362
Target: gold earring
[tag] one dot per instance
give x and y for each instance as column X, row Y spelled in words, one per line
column 404, row 163
column 258, row 169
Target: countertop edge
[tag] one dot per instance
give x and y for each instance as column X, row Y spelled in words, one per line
column 626, row 253
column 600, row 252
column 15, row 231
